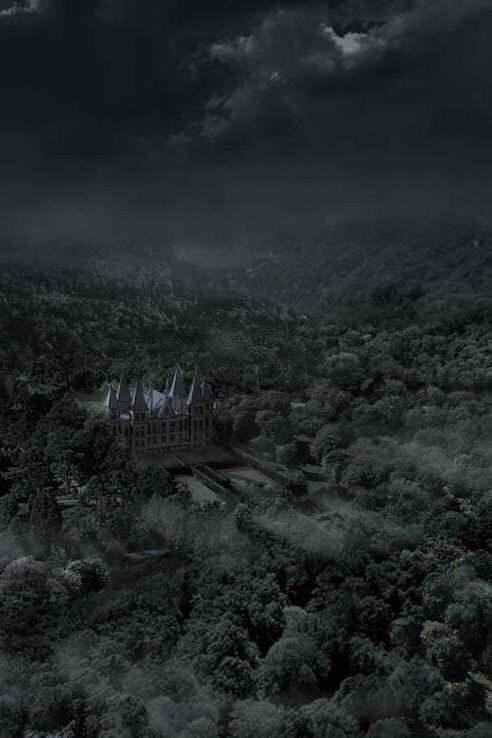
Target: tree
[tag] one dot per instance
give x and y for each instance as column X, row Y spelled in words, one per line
column 344, row 370
column 293, row 664
column 389, row 728
column 11, row 716
column 470, row 615
column 444, row 648
column 45, row 515
column 257, row 719
column 323, row 719
column 81, row 576
column 328, row 439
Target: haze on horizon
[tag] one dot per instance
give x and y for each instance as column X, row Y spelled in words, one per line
column 155, row 121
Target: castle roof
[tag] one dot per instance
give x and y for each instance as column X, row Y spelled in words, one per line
column 154, row 400
column 111, row 401
column 177, row 388
column 138, row 400
column 149, row 398
column 175, row 399
column 123, row 393
column 195, row 394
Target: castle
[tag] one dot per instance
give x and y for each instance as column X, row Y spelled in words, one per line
column 178, row 419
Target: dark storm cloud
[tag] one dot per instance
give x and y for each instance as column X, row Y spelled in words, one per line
column 420, row 77
column 159, row 108
column 105, row 77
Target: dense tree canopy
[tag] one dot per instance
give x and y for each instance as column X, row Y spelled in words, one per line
column 349, row 598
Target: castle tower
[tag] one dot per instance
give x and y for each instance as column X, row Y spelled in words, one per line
column 123, row 395
column 196, row 412
column 151, row 396
column 111, row 410
column 139, row 411
column 177, row 392
column 208, row 410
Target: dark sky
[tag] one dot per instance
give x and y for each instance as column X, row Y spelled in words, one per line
column 167, row 119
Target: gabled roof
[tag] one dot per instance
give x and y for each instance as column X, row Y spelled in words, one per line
column 177, row 388
column 123, row 393
column 139, row 404
column 195, row 395
column 111, row 401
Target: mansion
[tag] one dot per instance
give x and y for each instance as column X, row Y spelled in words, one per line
column 177, row 419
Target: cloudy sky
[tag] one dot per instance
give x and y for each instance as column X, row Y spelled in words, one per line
column 162, row 119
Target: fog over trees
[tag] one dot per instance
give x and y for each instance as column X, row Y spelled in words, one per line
column 349, row 596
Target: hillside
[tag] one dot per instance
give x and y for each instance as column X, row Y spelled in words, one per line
column 355, row 268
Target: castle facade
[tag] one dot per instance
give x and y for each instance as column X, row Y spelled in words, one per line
column 177, row 419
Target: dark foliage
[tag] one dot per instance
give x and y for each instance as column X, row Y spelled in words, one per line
column 350, row 597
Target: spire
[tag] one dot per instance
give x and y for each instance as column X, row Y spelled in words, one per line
column 195, row 393
column 168, row 384
column 151, row 395
column 207, row 394
column 111, row 401
column 123, row 393
column 177, row 388
column 138, row 401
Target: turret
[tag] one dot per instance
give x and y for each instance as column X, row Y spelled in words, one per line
column 177, row 391
column 195, row 395
column 208, row 405
column 123, row 395
column 177, row 388
column 150, row 403
column 138, row 404
column 111, row 406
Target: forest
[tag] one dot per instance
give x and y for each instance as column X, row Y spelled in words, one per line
column 354, row 601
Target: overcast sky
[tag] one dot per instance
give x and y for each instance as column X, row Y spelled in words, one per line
column 165, row 119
